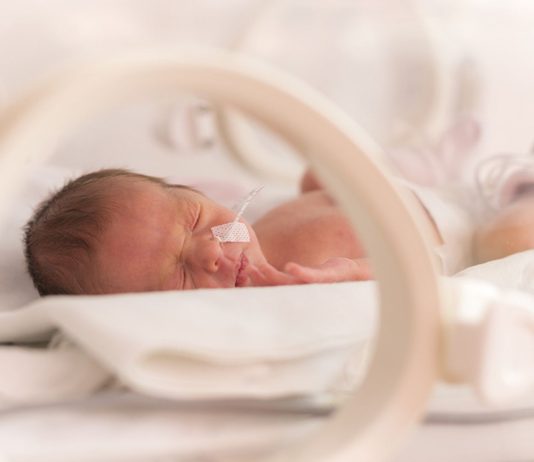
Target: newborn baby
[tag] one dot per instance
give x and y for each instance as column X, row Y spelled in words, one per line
column 116, row 231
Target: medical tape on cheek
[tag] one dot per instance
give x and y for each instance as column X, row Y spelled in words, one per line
column 236, row 231
column 231, row 232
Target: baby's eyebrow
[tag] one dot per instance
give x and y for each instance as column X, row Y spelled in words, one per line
column 182, row 277
column 175, row 279
column 191, row 204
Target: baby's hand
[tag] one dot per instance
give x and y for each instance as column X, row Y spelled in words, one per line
column 267, row 275
column 337, row 269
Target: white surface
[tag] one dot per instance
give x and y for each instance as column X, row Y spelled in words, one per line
column 129, row 428
column 485, row 442
column 489, row 340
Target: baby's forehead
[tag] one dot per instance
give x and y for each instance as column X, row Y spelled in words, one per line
column 141, row 199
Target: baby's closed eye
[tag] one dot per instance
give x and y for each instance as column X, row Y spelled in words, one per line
column 196, row 219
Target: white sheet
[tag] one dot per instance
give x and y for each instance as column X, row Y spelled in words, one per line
column 38, row 375
column 210, row 344
column 122, row 330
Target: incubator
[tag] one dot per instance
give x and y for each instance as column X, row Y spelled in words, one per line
column 321, row 372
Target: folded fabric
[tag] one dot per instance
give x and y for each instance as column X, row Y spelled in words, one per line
column 257, row 342
column 31, row 323
column 515, row 271
column 489, row 340
column 35, row 375
column 206, row 344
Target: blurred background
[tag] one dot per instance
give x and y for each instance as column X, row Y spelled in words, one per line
column 437, row 83
column 394, row 65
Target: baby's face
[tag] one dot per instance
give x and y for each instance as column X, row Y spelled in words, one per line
column 162, row 240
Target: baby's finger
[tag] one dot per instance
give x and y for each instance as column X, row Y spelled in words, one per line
column 334, row 270
column 362, row 271
column 267, row 275
column 347, row 269
column 276, row 277
column 305, row 273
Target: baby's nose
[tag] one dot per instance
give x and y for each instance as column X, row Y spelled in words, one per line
column 206, row 253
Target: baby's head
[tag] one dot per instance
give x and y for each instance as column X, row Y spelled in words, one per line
column 115, row 231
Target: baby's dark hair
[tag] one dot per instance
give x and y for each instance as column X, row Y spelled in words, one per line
column 61, row 237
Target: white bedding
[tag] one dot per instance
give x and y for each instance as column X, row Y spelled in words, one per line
column 277, row 327
column 208, row 344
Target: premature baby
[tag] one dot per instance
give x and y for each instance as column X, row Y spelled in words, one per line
column 114, row 231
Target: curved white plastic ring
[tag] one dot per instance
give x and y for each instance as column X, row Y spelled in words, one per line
column 404, row 366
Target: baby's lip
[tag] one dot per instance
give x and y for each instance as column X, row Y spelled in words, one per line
column 240, row 277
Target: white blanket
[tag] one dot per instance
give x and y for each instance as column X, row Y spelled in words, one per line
column 243, row 343
column 208, row 344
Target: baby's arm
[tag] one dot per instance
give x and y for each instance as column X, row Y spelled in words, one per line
column 337, row 269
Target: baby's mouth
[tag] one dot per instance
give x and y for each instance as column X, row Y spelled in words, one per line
column 240, row 277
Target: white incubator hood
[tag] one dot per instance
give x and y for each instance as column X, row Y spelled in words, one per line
column 430, row 328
